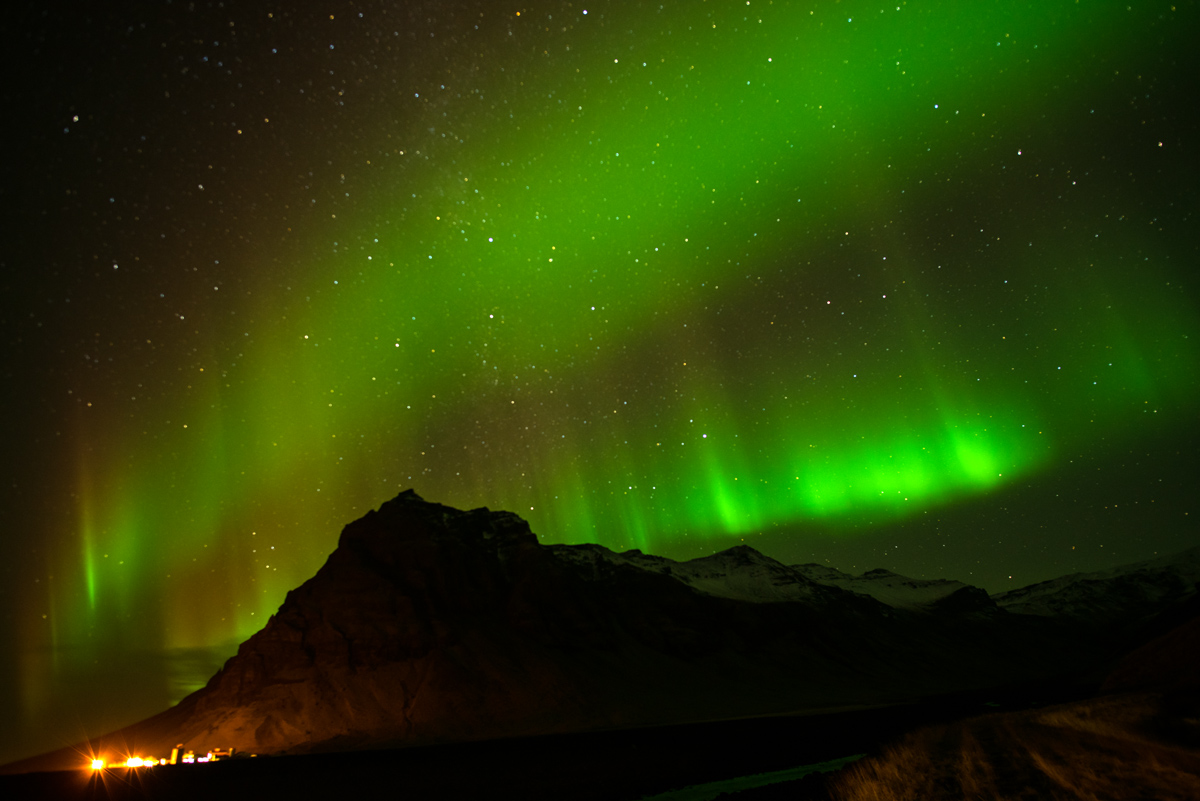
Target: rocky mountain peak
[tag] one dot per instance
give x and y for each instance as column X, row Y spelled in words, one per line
column 409, row 517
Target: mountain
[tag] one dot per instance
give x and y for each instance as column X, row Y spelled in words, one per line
column 1120, row 596
column 429, row 624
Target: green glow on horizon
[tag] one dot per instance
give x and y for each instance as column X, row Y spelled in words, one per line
column 539, row 318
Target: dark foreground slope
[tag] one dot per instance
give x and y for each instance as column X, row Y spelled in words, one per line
column 433, row 625
column 1140, row 739
column 1106, row 747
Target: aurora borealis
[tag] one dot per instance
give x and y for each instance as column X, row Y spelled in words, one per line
column 908, row 286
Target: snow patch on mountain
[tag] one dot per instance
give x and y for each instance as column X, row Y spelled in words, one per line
column 744, row 574
column 740, row 573
column 899, row 592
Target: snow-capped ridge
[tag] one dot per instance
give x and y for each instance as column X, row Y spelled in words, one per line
column 887, row 587
column 1117, row 595
column 745, row 574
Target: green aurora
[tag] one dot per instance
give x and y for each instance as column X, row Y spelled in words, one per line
column 651, row 277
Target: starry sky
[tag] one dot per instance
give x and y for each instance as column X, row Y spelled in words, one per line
column 877, row 285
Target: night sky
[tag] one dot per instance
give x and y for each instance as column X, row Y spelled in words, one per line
column 909, row 286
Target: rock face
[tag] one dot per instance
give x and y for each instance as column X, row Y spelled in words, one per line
column 430, row 624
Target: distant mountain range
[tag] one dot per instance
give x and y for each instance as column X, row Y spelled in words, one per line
column 1120, row 596
column 429, row 624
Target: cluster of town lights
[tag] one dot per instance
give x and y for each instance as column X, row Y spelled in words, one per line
column 132, row 762
column 187, row 758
